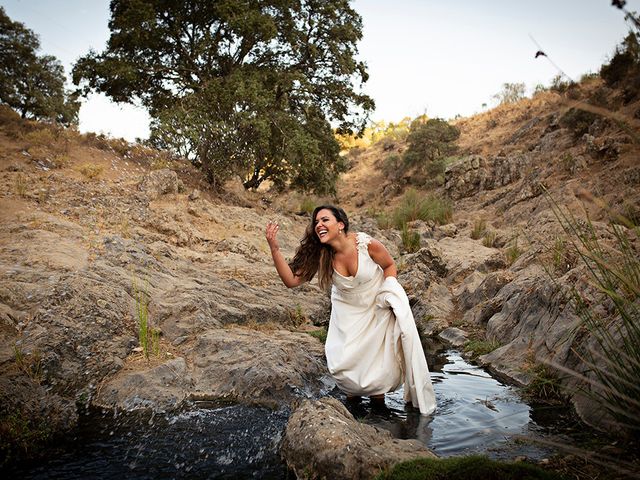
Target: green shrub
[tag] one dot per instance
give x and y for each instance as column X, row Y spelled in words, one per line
column 578, row 121
column 545, row 386
column 473, row 467
column 416, row 207
column 320, row 334
column 410, row 239
column 429, row 141
column 307, row 205
column 392, row 166
column 481, row 347
column 623, row 61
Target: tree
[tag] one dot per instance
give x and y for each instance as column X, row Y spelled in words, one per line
column 32, row 84
column 244, row 87
column 510, row 93
column 429, row 141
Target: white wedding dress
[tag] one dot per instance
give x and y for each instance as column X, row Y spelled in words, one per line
column 372, row 344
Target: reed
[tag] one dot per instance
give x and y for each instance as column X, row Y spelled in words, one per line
column 612, row 356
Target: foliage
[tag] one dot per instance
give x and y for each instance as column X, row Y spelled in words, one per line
column 297, row 316
column 577, row 121
column 560, row 84
column 320, row 334
column 32, row 84
column 489, row 239
column 510, row 93
column 613, row 355
column 413, row 206
column 481, row 347
column 473, row 467
column 513, row 251
column 90, row 170
column 544, row 386
column 248, row 89
column 429, row 141
column 479, row 229
column 148, row 337
column 625, row 60
column 410, row 239
column 307, row 205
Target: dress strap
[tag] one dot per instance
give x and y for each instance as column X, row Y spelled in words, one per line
column 363, row 240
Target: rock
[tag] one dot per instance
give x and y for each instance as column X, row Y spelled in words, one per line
column 472, row 174
column 478, row 288
column 159, row 388
column 195, row 194
column 160, row 182
column 454, row 336
column 267, row 368
column 464, row 255
column 323, row 440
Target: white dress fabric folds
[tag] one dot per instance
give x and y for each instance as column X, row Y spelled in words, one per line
column 372, row 344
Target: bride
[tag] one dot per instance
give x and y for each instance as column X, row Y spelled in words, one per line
column 372, row 343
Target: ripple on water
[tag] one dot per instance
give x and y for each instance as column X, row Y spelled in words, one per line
column 475, row 413
column 229, row 442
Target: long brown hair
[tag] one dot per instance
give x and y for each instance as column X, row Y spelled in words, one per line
column 312, row 255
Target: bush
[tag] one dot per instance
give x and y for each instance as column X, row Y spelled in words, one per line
column 623, row 61
column 578, row 121
column 429, row 141
column 510, row 93
column 429, row 208
column 410, row 239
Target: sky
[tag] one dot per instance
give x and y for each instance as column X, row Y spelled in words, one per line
column 439, row 57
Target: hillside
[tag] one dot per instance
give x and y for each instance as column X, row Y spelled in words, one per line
column 93, row 229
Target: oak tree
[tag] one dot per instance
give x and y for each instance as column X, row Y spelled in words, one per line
column 248, row 87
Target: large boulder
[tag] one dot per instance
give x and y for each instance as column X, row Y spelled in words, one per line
column 323, row 440
column 270, row 368
column 474, row 173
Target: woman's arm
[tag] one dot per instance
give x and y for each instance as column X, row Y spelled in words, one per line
column 382, row 257
column 284, row 270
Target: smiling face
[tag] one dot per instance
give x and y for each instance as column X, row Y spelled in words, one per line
column 327, row 227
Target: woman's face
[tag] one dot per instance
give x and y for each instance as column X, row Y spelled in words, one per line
column 327, row 227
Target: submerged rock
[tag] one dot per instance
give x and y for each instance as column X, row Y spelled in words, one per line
column 323, row 440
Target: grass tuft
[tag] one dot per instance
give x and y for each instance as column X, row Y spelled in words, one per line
column 410, row 239
column 479, row 229
column 427, row 208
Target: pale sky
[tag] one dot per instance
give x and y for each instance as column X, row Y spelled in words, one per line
column 439, row 57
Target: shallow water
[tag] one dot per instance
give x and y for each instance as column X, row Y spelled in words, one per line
column 475, row 414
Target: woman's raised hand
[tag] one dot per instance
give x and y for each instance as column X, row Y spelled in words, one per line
column 271, row 233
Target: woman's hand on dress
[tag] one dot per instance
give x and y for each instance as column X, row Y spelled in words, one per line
column 271, row 234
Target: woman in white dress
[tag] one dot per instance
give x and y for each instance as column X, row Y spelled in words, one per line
column 372, row 343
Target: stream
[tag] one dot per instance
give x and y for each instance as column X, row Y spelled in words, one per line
column 475, row 414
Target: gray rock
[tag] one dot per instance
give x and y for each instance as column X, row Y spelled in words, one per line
column 160, row 182
column 454, row 336
column 323, row 440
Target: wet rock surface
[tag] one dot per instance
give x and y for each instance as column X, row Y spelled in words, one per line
column 323, row 440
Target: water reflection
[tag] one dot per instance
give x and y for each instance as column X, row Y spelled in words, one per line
column 475, row 413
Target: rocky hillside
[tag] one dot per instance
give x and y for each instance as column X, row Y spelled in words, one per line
column 97, row 234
